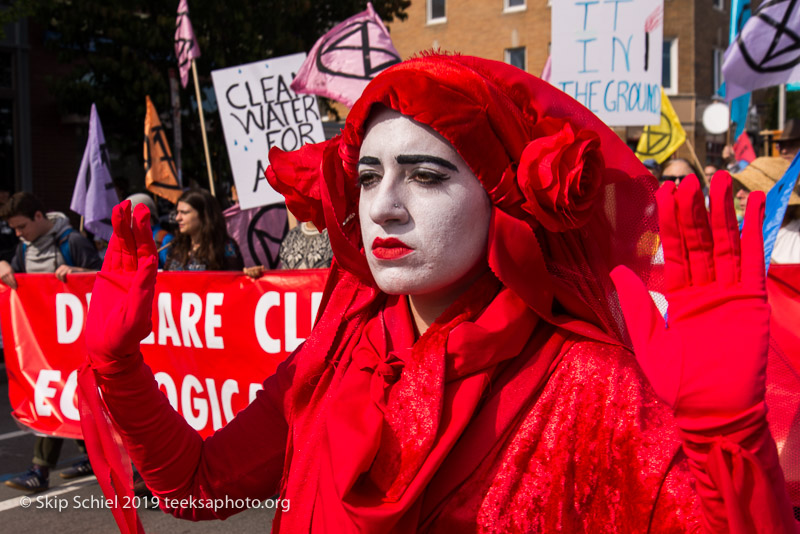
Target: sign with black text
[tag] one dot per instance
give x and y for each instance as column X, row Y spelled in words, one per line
column 607, row 56
column 259, row 110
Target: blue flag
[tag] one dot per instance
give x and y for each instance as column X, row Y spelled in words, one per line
column 740, row 12
column 775, row 209
column 94, row 196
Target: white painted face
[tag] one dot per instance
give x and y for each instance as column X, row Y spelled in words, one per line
column 424, row 215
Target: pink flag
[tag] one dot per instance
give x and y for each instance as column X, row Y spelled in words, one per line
column 344, row 60
column 547, row 69
column 186, row 48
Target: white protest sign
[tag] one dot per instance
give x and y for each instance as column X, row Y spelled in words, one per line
column 607, row 55
column 258, row 111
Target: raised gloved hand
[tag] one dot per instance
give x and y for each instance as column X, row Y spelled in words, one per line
column 708, row 362
column 711, row 359
column 120, row 314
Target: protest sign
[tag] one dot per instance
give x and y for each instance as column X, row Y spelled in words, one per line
column 216, row 337
column 607, row 55
column 259, row 110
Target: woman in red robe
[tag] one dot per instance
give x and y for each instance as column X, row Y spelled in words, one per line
column 471, row 369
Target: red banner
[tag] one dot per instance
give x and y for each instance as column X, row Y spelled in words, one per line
column 216, row 336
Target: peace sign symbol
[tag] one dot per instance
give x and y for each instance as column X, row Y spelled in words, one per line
column 336, row 47
column 657, row 138
column 780, row 53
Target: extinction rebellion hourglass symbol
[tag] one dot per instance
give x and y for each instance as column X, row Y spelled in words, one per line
column 782, row 52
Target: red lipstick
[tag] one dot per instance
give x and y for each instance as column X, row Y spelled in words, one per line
column 390, row 249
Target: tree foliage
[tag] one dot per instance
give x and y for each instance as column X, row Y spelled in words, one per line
column 118, row 51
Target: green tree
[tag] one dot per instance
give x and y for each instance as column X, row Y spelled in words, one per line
column 121, row 50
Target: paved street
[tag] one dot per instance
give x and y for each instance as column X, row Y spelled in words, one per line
column 16, row 448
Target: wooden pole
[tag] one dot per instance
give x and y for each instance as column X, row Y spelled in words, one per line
column 203, row 129
column 696, row 161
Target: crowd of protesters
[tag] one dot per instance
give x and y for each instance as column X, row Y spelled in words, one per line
column 760, row 174
column 193, row 237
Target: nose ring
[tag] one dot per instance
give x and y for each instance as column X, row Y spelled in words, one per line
column 396, row 205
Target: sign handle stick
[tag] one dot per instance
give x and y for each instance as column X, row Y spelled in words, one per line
column 728, row 133
column 203, row 129
column 696, row 161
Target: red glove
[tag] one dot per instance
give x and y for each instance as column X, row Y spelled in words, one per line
column 120, row 315
column 242, row 460
column 709, row 362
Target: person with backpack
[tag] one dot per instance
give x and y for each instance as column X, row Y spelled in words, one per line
column 48, row 244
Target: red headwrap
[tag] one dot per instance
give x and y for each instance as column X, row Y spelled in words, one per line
column 571, row 201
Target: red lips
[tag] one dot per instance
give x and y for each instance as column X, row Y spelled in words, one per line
column 390, row 249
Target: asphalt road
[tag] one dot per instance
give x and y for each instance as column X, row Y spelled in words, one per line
column 79, row 499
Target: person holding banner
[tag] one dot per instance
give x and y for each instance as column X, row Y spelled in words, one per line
column 49, row 245
column 202, row 242
column 471, row 369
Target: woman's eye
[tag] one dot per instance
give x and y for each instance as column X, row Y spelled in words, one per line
column 428, row 177
column 366, row 179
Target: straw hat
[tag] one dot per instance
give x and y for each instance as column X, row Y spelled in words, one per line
column 762, row 174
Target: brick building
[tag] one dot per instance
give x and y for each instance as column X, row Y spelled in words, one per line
column 518, row 32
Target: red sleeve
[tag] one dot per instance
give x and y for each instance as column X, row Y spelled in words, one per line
column 242, row 460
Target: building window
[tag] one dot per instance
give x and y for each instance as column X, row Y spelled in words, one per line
column 516, row 57
column 718, row 58
column 719, row 4
column 436, row 11
column 513, row 5
column 669, row 66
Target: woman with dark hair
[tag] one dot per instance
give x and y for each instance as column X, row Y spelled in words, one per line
column 471, row 369
column 202, row 242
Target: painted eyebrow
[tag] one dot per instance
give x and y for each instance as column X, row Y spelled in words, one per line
column 418, row 158
column 369, row 160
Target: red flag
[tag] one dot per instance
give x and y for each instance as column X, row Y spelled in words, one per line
column 743, row 149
